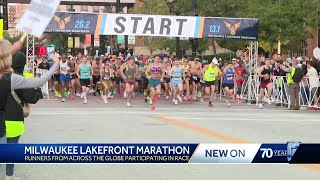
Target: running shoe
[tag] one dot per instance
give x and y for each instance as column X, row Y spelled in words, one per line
column 167, row 97
column 85, row 101
column 71, row 96
column 239, row 101
column 228, row 104
column 78, row 95
column 150, row 101
column 63, row 100
column 179, row 98
column 153, row 107
column 128, row 104
column 260, row 105
column 201, row 100
column 176, row 102
column 125, row 94
column 269, row 101
column 81, row 96
column 105, row 99
column 210, row 104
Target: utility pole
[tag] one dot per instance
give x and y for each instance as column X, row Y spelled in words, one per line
column 4, row 13
column 194, row 41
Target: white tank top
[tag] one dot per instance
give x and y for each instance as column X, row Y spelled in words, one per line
column 64, row 67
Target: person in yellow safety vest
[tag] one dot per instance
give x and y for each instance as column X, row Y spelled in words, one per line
column 211, row 75
column 294, row 87
column 14, row 114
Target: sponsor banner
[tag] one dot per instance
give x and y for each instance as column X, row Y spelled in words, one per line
column 154, row 25
column 76, row 23
column 37, row 17
column 77, row 42
column 148, row 25
column 228, row 28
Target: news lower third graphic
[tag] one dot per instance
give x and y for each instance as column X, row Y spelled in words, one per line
column 288, row 153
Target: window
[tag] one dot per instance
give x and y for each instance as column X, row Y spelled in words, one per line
column 96, row 9
column 70, row 8
column 84, row 8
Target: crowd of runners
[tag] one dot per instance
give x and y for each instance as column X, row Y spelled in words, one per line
column 176, row 79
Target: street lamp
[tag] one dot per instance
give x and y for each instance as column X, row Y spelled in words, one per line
column 170, row 4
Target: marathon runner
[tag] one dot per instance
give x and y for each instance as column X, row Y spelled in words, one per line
column 211, row 74
column 228, row 82
column 106, row 73
column 195, row 71
column 140, row 73
column 166, row 79
column 239, row 72
column 176, row 73
column 64, row 76
column 265, row 82
column 73, row 78
column 128, row 72
column 95, row 69
column 186, row 78
column 155, row 76
column 118, row 79
column 84, row 74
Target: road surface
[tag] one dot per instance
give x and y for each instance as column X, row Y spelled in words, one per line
column 52, row 121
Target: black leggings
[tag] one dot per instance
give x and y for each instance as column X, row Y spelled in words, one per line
column 10, row 167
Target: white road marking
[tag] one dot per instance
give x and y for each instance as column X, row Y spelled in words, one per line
column 241, row 119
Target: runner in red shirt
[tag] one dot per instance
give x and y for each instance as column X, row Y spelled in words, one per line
column 239, row 72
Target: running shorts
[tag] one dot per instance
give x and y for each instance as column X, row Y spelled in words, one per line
column 106, row 83
column 131, row 83
column 176, row 81
column 85, row 82
column 195, row 79
column 95, row 79
column 153, row 83
column 56, row 77
column 264, row 85
column 166, row 80
column 230, row 86
column 118, row 80
column 211, row 83
column 239, row 82
column 64, row 78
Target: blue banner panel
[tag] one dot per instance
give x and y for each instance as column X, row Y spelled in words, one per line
column 306, row 154
column 96, row 153
column 231, row 28
column 76, row 23
column 271, row 153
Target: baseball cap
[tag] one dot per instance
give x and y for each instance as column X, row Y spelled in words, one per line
column 215, row 61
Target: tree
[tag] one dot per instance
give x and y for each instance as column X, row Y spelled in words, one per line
column 10, row 38
column 284, row 20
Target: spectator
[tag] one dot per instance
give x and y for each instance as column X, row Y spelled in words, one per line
column 314, row 82
column 14, row 114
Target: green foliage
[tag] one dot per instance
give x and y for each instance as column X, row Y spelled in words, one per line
column 284, row 20
column 11, row 39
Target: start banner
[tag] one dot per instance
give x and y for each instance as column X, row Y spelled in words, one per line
column 154, row 25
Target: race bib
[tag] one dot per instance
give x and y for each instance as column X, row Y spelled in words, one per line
column 229, row 78
column 202, row 81
column 156, row 75
column 63, row 69
column 130, row 76
column 211, row 75
column 176, row 78
column 195, row 77
column 85, row 74
column 106, row 77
